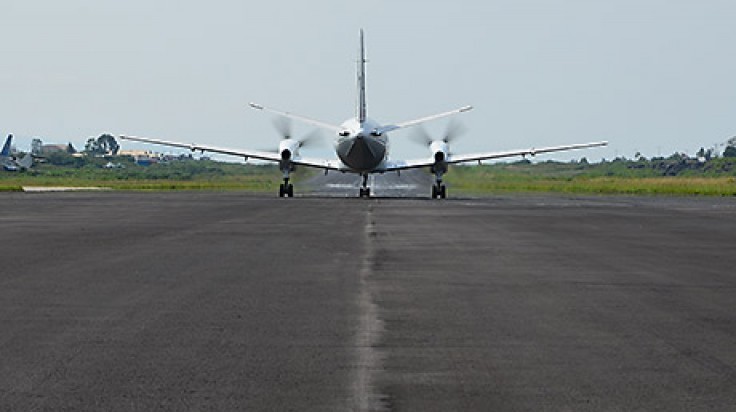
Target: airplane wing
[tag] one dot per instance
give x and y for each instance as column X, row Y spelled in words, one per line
column 391, row 127
column 410, row 164
column 307, row 120
column 256, row 154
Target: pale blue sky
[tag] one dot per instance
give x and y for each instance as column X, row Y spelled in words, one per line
column 655, row 76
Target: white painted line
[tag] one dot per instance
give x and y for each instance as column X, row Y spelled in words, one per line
column 38, row 189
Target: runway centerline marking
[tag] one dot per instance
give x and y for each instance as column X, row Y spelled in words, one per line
column 370, row 330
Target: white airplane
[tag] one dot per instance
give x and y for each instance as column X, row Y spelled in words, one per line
column 361, row 146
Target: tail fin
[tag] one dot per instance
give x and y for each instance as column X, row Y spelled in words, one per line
column 361, row 112
column 6, row 148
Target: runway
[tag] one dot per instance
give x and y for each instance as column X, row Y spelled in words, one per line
column 411, row 183
column 230, row 301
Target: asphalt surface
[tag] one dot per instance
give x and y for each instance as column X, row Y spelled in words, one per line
column 407, row 184
column 229, row 301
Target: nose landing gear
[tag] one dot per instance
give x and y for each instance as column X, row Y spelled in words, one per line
column 439, row 190
column 365, row 191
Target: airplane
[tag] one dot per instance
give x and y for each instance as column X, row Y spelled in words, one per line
column 361, row 145
column 11, row 163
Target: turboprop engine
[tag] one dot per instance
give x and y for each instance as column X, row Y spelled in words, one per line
column 288, row 148
column 440, row 149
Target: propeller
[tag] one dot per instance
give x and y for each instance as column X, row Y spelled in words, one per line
column 453, row 130
column 284, row 127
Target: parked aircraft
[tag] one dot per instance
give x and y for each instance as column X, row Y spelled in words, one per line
column 361, row 145
column 11, row 163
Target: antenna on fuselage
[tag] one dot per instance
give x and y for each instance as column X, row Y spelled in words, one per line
column 361, row 112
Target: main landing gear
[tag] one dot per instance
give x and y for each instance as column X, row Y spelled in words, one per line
column 286, row 189
column 439, row 190
column 365, row 191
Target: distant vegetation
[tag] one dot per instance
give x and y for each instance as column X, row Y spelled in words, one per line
column 677, row 174
column 121, row 172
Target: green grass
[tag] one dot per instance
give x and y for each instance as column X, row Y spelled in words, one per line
column 565, row 179
column 649, row 177
column 248, row 183
column 10, row 188
column 174, row 176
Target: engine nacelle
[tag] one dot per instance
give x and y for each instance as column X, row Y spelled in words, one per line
column 288, row 148
column 439, row 157
column 440, row 150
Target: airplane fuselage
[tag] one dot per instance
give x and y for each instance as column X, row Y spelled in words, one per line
column 359, row 148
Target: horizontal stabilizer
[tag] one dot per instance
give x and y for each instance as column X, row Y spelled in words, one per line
column 26, row 162
column 391, row 127
column 297, row 117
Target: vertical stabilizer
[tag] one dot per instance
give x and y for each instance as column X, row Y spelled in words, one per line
column 6, row 148
column 361, row 112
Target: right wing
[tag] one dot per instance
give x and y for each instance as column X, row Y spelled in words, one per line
column 256, row 154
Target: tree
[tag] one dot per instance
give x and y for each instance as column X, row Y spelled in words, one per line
column 730, row 151
column 103, row 145
column 91, row 147
column 108, row 145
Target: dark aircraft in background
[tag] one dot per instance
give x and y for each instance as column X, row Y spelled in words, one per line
column 9, row 162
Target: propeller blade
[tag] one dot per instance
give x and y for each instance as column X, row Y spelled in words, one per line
column 419, row 135
column 454, row 130
column 283, row 126
column 313, row 138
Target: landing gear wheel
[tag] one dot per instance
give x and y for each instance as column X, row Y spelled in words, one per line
column 439, row 191
column 282, row 190
column 365, row 192
column 290, row 190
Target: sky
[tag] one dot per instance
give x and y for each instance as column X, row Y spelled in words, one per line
column 650, row 76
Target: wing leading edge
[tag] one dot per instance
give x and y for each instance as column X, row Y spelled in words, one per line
column 453, row 159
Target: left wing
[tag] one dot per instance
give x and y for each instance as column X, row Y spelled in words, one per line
column 256, row 154
column 410, row 164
